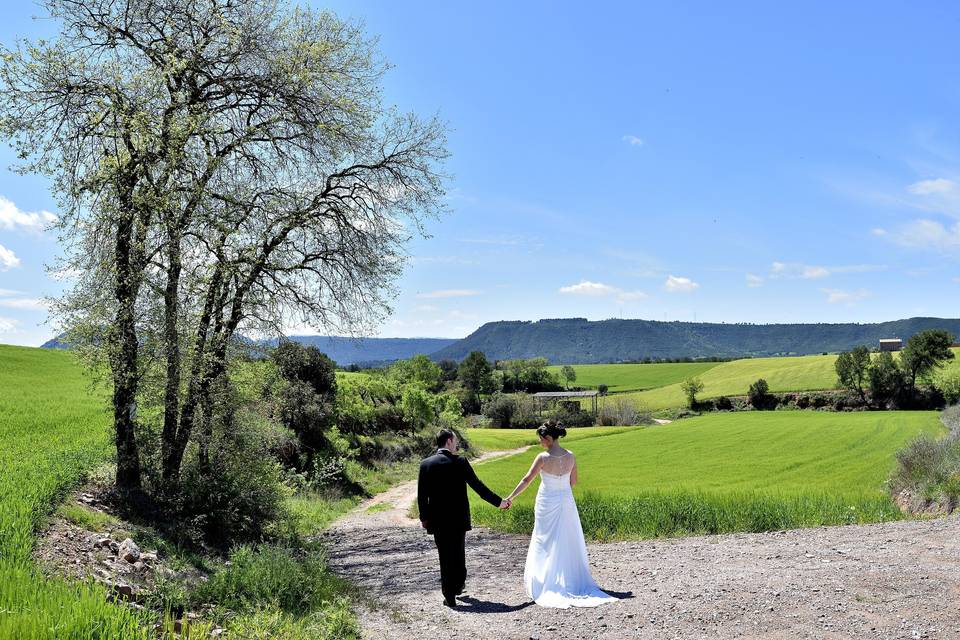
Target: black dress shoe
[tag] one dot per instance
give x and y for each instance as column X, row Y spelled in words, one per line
column 450, row 602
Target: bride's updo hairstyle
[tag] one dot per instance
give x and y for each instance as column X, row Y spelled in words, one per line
column 551, row 428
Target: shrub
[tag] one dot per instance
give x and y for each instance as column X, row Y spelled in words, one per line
column 887, row 380
column 691, row 387
column 570, row 417
column 948, row 383
column 759, row 395
column 526, row 416
column 291, row 580
column 622, row 412
column 602, row 389
column 500, row 410
column 928, row 471
column 723, row 403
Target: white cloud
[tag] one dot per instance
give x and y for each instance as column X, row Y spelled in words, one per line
column 815, row 272
column 23, row 303
column 678, row 284
column 809, row 272
column 426, row 308
column 925, row 234
column 12, row 218
column 587, row 288
column 8, row 259
column 633, row 141
column 599, row 290
column 932, row 187
column 8, row 325
column 754, row 281
column 835, row 296
column 6, row 293
column 448, row 293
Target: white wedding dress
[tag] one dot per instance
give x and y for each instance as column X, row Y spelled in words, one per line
column 557, row 573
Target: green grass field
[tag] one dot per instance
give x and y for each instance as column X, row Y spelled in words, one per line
column 726, row 472
column 635, row 377
column 51, row 432
column 796, row 373
column 502, row 439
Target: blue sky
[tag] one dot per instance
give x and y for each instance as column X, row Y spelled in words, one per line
column 734, row 162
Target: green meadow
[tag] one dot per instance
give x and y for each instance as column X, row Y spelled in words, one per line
column 635, row 377
column 794, row 373
column 51, row 433
column 503, row 439
column 725, row 472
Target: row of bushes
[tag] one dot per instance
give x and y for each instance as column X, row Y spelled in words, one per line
column 519, row 411
column 924, row 398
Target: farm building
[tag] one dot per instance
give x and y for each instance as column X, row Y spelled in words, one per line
column 891, row 344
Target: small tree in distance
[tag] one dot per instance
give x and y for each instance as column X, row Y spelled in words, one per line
column 569, row 375
column 853, row 370
column 691, row 387
column 759, row 394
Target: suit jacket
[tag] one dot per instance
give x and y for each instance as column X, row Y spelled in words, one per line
column 442, row 492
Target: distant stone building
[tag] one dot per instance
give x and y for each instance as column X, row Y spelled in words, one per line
column 891, row 344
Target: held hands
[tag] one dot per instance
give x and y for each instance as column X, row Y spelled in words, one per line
column 505, row 504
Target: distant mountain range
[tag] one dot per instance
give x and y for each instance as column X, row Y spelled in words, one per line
column 580, row 341
column 347, row 351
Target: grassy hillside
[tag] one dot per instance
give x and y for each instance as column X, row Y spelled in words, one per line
column 801, row 373
column 635, row 377
column 51, row 431
column 726, row 472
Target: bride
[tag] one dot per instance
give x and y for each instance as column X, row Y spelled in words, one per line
column 557, row 573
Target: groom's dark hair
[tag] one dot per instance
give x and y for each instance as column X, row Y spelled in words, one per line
column 443, row 436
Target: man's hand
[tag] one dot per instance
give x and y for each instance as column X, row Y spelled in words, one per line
column 505, row 504
column 424, row 524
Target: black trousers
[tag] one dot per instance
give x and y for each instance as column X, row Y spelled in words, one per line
column 453, row 562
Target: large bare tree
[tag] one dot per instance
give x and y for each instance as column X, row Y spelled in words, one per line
column 222, row 166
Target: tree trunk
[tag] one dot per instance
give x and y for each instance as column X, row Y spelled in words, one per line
column 174, row 448
column 171, row 401
column 124, row 358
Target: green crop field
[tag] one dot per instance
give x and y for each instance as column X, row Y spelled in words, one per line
column 635, row 377
column 726, row 472
column 51, row 432
column 796, row 373
column 502, row 439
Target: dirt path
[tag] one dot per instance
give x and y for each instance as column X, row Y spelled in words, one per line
column 894, row 580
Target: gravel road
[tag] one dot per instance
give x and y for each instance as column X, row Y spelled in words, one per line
column 892, row 580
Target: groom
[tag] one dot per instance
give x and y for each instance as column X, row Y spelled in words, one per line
column 445, row 510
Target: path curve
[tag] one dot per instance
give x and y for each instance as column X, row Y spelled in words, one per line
column 892, row 580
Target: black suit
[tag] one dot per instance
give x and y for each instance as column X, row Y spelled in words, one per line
column 445, row 511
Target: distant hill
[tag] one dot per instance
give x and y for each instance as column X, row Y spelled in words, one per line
column 347, row 351
column 579, row 341
column 373, row 351
column 55, row 343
